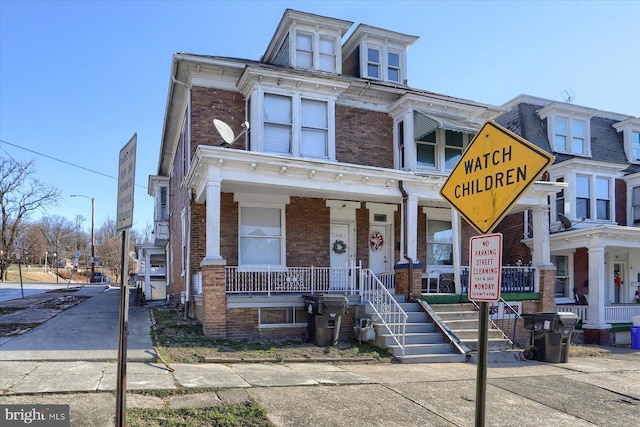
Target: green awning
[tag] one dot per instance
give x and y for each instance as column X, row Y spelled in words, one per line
column 424, row 123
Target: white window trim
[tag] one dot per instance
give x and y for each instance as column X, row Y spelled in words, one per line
column 257, row 114
column 570, row 283
column 562, row 111
column 315, row 48
column 440, row 149
column 280, row 325
column 570, row 197
column 628, row 127
column 183, row 242
column 384, row 48
column 258, row 201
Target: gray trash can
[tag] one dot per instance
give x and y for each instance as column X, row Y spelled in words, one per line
column 550, row 335
column 325, row 315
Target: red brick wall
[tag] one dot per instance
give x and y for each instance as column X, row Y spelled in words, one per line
column 362, row 236
column 229, row 230
column 208, row 104
column 308, row 222
column 621, row 202
column 364, row 137
column 581, row 271
column 512, row 229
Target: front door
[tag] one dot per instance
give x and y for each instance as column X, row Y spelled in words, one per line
column 379, row 249
column 619, row 285
column 342, row 253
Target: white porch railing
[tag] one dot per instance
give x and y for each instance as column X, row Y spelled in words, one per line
column 622, row 313
column 309, row 280
column 389, row 312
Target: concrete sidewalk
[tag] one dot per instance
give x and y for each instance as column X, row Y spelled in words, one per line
column 586, row 391
column 39, row 368
column 87, row 331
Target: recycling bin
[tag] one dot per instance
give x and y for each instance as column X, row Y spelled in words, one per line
column 325, row 315
column 550, row 335
column 635, row 337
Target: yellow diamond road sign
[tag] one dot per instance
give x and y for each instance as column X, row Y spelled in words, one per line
column 493, row 173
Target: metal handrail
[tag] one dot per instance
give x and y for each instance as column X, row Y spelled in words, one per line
column 507, row 309
column 386, row 308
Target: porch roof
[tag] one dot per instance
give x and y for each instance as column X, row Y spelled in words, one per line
column 240, row 171
column 599, row 236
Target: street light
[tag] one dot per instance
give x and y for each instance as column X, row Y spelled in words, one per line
column 93, row 233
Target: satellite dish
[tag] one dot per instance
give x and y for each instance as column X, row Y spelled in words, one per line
column 566, row 222
column 224, row 130
column 226, row 133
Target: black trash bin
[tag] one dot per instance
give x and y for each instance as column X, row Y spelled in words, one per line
column 325, row 314
column 550, row 335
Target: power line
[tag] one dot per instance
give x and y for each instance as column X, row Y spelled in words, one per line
column 61, row 161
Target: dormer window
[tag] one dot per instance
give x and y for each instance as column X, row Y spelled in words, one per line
column 631, row 137
column 378, row 54
column 314, row 52
column 307, row 41
column 570, row 135
column 568, row 129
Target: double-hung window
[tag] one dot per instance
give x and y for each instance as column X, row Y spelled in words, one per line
column 570, row 135
column 393, row 67
column 315, row 52
column 373, row 63
column 635, row 204
column 583, row 197
column 453, row 146
column 439, row 147
column 426, row 150
column 327, row 54
column 562, row 276
column 635, row 146
column 439, row 242
column 305, row 134
column 261, row 236
column 164, row 204
column 603, row 210
column 304, row 50
column 560, row 200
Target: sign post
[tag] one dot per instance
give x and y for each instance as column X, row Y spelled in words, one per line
column 124, row 221
column 494, row 172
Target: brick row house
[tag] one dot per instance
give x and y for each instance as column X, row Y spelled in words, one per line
column 332, row 187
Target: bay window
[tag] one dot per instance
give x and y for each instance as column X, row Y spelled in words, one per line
column 305, row 134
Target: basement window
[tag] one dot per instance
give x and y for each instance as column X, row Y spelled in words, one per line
column 283, row 316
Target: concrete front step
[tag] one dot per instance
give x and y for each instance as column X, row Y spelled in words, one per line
column 433, row 358
column 455, row 325
column 493, row 344
column 473, row 333
column 454, row 307
column 413, row 338
column 458, row 315
column 418, row 349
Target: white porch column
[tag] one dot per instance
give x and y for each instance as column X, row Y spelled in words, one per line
column 541, row 248
column 595, row 311
column 212, row 246
column 457, row 246
column 412, row 229
column 147, row 275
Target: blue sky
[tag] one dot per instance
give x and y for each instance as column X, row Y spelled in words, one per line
column 78, row 79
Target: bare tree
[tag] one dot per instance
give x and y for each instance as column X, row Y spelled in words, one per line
column 108, row 246
column 20, row 194
column 59, row 232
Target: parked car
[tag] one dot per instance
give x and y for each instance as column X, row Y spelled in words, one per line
column 98, row 277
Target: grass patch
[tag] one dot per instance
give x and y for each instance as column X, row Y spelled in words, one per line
column 247, row 415
column 180, row 340
column 9, row 310
column 15, row 329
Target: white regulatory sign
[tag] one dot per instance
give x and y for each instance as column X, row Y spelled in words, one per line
column 485, row 267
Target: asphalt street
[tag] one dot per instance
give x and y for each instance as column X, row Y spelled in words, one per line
column 66, row 360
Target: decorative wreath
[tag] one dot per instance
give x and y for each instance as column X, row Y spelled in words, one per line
column 376, row 241
column 339, row 247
